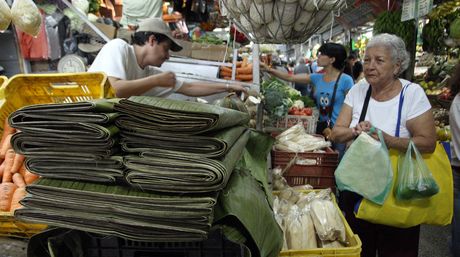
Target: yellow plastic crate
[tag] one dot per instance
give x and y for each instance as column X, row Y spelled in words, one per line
column 28, row 89
column 353, row 250
column 3, row 80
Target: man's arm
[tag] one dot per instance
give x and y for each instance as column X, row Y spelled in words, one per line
column 127, row 88
column 205, row 88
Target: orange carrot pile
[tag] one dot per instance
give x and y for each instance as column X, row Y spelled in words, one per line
column 13, row 175
column 243, row 71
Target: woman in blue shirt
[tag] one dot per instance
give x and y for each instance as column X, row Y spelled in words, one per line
column 331, row 57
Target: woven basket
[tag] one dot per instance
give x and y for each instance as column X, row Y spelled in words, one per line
column 280, row 21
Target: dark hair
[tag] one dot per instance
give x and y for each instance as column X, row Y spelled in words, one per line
column 454, row 81
column 140, row 38
column 337, row 51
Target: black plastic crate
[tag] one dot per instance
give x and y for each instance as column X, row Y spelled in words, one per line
column 215, row 246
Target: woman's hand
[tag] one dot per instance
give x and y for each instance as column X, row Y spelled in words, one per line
column 363, row 126
column 264, row 67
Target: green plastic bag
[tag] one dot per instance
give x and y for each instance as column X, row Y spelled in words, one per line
column 366, row 169
column 415, row 180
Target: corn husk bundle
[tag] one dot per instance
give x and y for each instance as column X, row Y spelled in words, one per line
column 280, row 21
column 69, row 141
column 117, row 210
column 296, row 139
column 309, row 220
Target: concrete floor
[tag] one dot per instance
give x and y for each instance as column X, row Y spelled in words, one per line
column 434, row 242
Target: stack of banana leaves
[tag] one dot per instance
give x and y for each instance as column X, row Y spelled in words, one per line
column 69, row 141
column 178, row 146
column 118, row 210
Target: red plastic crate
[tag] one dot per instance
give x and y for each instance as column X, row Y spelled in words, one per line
column 317, row 171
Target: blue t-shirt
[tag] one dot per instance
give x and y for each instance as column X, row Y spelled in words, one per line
column 324, row 91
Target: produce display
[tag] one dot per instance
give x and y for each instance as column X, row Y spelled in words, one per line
column 390, row 22
column 443, row 29
column 268, row 21
column 14, row 176
column 278, row 98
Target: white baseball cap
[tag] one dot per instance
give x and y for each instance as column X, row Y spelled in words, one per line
column 157, row 25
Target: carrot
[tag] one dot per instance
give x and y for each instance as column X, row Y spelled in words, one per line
column 18, row 161
column 5, row 146
column 225, row 69
column 245, row 70
column 22, row 170
column 30, row 177
column 245, row 62
column 6, row 194
column 7, row 130
column 18, row 180
column 18, row 195
column 9, row 160
column 243, row 77
column 2, row 169
column 225, row 74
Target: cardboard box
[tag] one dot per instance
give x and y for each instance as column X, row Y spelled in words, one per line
column 210, row 52
column 186, row 49
column 109, row 30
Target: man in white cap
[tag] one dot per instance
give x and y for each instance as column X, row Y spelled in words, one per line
column 132, row 69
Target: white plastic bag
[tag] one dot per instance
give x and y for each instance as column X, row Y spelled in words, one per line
column 5, row 15
column 26, row 16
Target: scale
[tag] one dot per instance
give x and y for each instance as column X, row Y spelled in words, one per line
column 71, row 63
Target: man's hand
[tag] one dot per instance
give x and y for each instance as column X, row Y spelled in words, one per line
column 165, row 79
column 237, row 88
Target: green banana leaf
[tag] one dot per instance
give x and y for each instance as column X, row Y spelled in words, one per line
column 255, row 160
column 99, row 111
column 176, row 116
column 257, row 223
column 179, row 173
column 118, row 210
column 42, row 145
column 108, row 170
column 68, row 129
column 214, row 145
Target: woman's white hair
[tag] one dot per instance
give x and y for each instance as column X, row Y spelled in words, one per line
column 397, row 47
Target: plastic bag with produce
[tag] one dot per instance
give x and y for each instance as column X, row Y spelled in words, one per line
column 5, row 15
column 26, row 16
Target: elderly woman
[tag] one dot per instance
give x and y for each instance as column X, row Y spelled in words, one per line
column 377, row 103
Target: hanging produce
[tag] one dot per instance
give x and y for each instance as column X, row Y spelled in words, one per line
column 283, row 21
column 390, row 22
column 5, row 15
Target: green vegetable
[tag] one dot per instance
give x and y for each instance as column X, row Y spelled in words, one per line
column 455, row 28
column 279, row 97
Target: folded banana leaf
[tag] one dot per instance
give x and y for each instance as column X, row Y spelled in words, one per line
column 257, row 223
column 117, row 210
column 175, row 116
column 98, row 105
column 214, row 145
column 42, row 145
column 69, row 130
column 108, row 170
column 99, row 111
column 178, row 173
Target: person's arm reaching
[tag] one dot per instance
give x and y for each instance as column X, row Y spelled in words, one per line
column 127, row 88
column 297, row 78
column 205, row 89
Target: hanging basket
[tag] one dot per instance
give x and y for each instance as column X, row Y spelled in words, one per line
column 280, row 21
